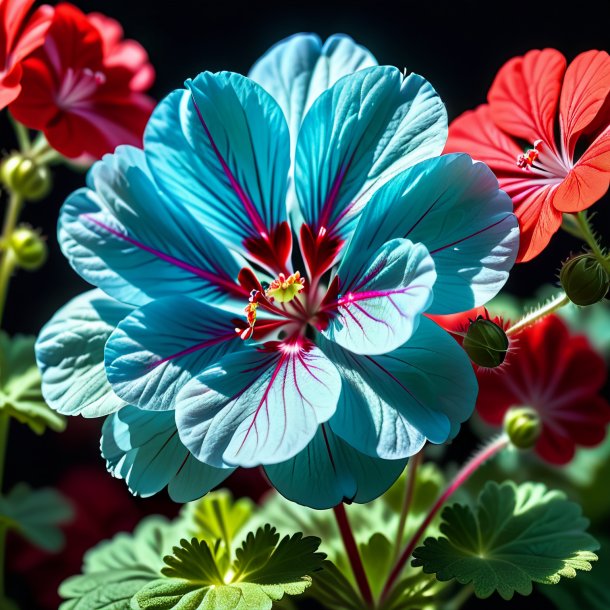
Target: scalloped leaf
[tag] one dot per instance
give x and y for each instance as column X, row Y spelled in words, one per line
column 265, row 569
column 517, row 535
column 20, row 393
column 36, row 514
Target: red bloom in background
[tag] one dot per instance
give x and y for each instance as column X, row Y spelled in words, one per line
column 560, row 376
column 527, row 97
column 83, row 87
column 18, row 38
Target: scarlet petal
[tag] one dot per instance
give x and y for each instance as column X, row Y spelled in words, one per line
column 524, row 95
column 585, row 89
column 588, row 181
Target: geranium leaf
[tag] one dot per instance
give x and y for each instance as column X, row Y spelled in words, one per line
column 377, row 557
column 115, row 570
column 20, row 393
column 332, row 589
column 193, row 561
column 36, row 515
column 516, row 535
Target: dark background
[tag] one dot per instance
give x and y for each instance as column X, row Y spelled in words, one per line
column 458, row 46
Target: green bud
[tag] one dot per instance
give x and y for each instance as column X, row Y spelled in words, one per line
column 523, row 426
column 584, row 280
column 28, row 247
column 25, row 177
column 486, row 343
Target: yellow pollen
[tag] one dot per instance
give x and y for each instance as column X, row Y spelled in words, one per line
column 284, row 289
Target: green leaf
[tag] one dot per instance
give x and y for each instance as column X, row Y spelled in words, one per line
column 20, row 393
column 217, row 516
column 265, row 569
column 429, row 482
column 518, row 535
column 36, row 515
column 415, row 592
column 333, row 590
column 115, row 570
column 377, row 557
column 193, row 561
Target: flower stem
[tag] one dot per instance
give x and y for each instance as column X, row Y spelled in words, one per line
column 487, row 452
column 5, row 421
column 540, row 312
column 7, row 261
column 412, row 468
column 588, row 234
column 353, row 554
column 21, row 133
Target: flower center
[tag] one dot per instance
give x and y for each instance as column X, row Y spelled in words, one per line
column 526, row 160
column 78, row 86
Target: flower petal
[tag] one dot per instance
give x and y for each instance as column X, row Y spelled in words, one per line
column 144, row 448
column 257, row 406
column 330, row 471
column 454, row 207
column 524, row 96
column 298, row 69
column 382, row 294
column 585, row 88
column 222, row 148
column 390, row 404
column 124, row 236
column 158, row 348
column 70, row 355
column 367, row 128
column 588, row 180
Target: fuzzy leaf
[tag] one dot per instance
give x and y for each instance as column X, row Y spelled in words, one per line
column 36, row 514
column 517, row 535
column 193, row 561
column 20, row 393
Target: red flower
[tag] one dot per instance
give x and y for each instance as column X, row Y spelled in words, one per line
column 18, row 38
column 550, row 177
column 83, row 87
column 560, row 376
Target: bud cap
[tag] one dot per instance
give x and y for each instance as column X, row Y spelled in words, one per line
column 29, row 248
column 584, row 280
column 25, row 177
column 486, row 343
column 523, row 426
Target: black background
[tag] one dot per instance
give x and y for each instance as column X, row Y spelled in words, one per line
column 458, row 46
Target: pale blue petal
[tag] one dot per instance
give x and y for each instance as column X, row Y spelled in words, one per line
column 222, row 148
column 454, row 207
column 367, row 128
column 330, row 471
column 298, row 69
column 122, row 235
column 158, row 348
column 70, row 355
column 390, row 404
column 144, row 449
column 257, row 406
column 382, row 295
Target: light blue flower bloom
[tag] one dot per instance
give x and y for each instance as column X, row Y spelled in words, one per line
column 270, row 256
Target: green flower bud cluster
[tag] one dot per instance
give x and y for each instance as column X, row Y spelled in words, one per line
column 485, row 343
column 523, row 427
column 26, row 177
column 29, row 248
column 584, row 280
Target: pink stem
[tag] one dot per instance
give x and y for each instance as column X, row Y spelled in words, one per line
column 353, row 554
column 462, row 476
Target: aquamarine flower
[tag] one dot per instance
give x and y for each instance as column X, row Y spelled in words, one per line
column 268, row 259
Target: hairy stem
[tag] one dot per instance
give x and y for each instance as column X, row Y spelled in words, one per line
column 353, row 554
column 412, row 469
column 540, row 312
column 487, row 452
column 588, row 234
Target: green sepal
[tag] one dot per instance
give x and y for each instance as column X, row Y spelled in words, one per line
column 20, row 393
column 36, row 514
column 516, row 536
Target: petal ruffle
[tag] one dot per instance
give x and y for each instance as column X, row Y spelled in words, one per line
column 222, row 149
column 297, row 70
column 524, row 96
column 124, row 236
column 70, row 355
column 585, row 90
column 330, row 471
column 158, row 348
column 144, row 449
column 390, row 404
column 368, row 127
column 383, row 293
column 454, row 207
column 258, row 406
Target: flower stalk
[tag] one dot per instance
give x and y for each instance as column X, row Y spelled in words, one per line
column 353, row 554
column 486, row 453
column 412, row 468
column 540, row 312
